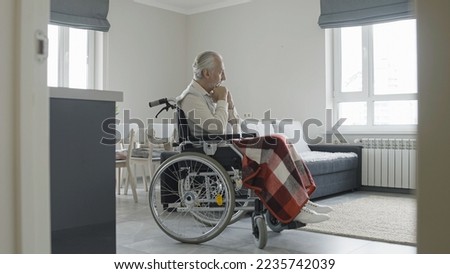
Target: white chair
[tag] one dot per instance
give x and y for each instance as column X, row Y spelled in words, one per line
column 124, row 162
column 141, row 155
column 121, row 157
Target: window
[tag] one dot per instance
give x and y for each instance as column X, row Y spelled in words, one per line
column 71, row 59
column 375, row 77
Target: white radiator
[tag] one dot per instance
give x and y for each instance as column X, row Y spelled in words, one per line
column 389, row 163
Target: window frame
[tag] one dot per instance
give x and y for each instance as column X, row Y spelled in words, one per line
column 367, row 94
column 94, row 58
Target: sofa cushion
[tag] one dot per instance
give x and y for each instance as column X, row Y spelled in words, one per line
column 319, row 162
column 293, row 131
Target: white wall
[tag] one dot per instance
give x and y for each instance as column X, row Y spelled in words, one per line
column 274, row 55
column 274, row 52
column 146, row 55
column 434, row 128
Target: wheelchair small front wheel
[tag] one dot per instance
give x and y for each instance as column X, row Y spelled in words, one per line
column 260, row 231
column 273, row 223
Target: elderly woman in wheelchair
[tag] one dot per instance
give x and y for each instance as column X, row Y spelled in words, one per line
column 218, row 177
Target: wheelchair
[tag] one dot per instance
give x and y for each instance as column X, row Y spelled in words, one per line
column 197, row 191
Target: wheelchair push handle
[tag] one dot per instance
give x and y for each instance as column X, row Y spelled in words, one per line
column 157, row 102
column 169, row 104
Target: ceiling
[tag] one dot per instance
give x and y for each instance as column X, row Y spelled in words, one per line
column 189, row 7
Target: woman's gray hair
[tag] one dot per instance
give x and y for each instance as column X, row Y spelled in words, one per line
column 205, row 60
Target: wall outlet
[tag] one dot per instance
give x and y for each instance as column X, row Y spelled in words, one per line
column 248, row 115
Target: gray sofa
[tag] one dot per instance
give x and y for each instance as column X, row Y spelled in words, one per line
column 337, row 174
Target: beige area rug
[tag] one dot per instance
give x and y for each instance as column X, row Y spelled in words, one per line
column 380, row 218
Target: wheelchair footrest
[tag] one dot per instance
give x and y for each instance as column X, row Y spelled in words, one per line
column 293, row 225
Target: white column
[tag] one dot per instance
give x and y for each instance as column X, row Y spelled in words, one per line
column 32, row 150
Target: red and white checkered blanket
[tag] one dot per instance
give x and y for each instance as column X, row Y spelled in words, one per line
column 274, row 170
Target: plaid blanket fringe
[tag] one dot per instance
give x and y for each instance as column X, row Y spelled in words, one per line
column 275, row 172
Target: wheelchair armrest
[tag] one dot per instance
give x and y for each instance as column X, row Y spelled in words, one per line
column 219, row 137
column 248, row 135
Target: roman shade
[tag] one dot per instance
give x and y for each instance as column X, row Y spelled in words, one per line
column 83, row 14
column 348, row 13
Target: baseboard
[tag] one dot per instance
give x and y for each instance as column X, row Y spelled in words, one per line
column 388, row 190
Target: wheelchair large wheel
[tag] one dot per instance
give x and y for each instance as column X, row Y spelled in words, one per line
column 191, row 197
